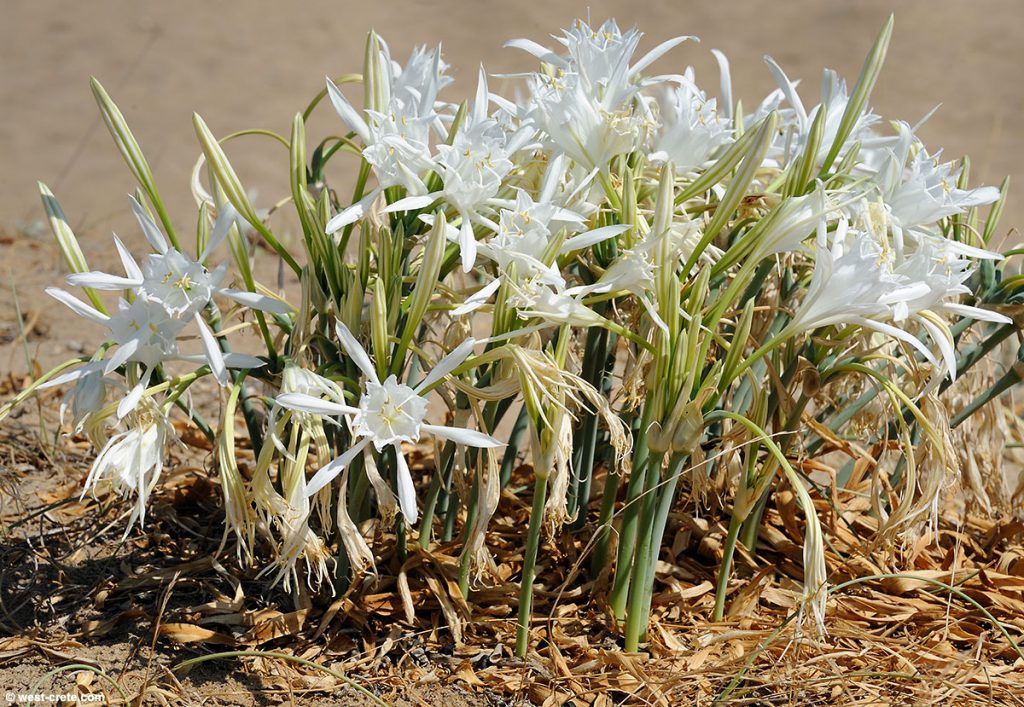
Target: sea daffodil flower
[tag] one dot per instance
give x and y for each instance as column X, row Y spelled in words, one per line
column 388, row 414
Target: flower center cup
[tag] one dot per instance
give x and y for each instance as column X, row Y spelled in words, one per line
column 390, row 413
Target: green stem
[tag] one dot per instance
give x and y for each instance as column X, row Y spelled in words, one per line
column 540, row 491
column 443, row 473
column 665, row 500
column 508, row 459
column 735, row 523
column 627, row 531
column 636, row 621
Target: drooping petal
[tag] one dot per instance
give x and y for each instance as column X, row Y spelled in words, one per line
column 467, row 245
column 406, row 488
column 984, row 315
column 944, row 341
column 328, row 472
column 539, row 51
column 470, row 438
column 211, row 350
column 131, row 401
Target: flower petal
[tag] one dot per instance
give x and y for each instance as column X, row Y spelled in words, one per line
column 254, row 300
column 470, row 438
column 149, row 228
column 77, row 306
column 131, row 268
column 406, row 488
column 102, row 281
column 329, row 471
column 356, row 352
column 211, row 350
column 447, row 364
column 302, row 402
column 347, row 112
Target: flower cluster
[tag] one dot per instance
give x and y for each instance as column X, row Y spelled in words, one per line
column 643, row 278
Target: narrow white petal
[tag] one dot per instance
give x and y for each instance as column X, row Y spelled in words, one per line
column 130, row 401
column 984, row 315
column 478, row 298
column 308, row 403
column 211, row 350
column 65, row 378
column 356, row 352
column 221, row 227
column 539, row 51
column 656, row 53
column 77, row 306
column 257, row 301
column 480, row 101
column 406, row 488
column 329, row 471
column 585, row 240
column 943, row 340
column 347, row 112
column 470, row 438
column 123, row 352
column 411, row 203
column 447, row 364
column 131, row 268
column 726, row 83
column 352, row 213
column 149, row 229
column 102, row 281
column 238, row 360
column 467, row 245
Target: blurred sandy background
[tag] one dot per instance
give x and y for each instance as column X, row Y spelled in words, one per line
column 254, row 64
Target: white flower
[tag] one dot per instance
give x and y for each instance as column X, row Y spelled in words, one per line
column 553, row 305
column 790, row 223
column 586, row 103
column 795, row 125
column 388, row 414
column 474, row 166
column 860, row 281
column 170, row 289
column 88, row 395
column 691, row 128
column 525, row 233
column 396, row 131
column 919, row 190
